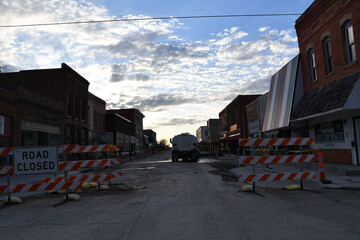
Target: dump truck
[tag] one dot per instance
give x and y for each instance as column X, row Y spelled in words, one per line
column 185, row 147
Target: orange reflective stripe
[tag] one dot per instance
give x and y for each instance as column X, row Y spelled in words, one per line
column 264, row 177
column 285, row 141
column 279, row 177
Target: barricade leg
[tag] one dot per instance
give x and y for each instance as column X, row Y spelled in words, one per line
column 8, row 180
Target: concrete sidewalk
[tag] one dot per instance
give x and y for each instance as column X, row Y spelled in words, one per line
column 338, row 176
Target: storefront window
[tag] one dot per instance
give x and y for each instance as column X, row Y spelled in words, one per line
column 332, row 132
column 28, row 138
column 39, row 138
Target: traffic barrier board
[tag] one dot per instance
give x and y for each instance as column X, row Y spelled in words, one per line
column 254, row 142
column 276, row 159
column 35, row 160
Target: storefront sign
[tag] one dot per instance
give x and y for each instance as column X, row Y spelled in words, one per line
column 332, row 132
column 2, row 123
column 254, row 126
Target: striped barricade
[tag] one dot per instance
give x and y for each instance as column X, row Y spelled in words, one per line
column 36, row 187
column 6, row 151
column 59, row 183
column 255, row 142
column 4, row 170
column 71, row 148
column 276, row 159
column 68, row 182
column 264, row 177
column 102, row 177
column 76, row 165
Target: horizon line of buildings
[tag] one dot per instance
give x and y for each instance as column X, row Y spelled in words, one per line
column 53, row 106
column 316, row 94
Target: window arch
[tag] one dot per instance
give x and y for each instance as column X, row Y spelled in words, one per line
column 312, row 64
column 327, row 52
column 349, row 42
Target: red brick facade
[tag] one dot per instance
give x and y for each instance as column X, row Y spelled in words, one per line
column 325, row 18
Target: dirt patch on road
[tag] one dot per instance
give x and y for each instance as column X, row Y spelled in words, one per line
column 222, row 169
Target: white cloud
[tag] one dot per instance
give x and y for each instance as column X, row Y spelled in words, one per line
column 145, row 64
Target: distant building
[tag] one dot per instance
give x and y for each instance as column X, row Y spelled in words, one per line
column 120, row 131
column 9, row 134
column 233, row 121
column 96, row 123
column 136, row 117
column 201, row 134
column 213, row 130
column 255, row 115
column 151, row 136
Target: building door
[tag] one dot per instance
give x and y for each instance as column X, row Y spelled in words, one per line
column 357, row 140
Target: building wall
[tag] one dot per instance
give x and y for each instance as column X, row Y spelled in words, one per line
column 135, row 116
column 152, row 136
column 336, row 142
column 234, row 117
column 96, row 119
column 120, row 130
column 324, row 18
column 201, row 134
column 213, row 130
column 8, row 114
column 67, row 100
column 334, row 132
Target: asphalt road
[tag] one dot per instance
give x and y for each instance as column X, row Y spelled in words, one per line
column 185, row 201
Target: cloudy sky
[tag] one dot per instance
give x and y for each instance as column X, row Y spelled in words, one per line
column 177, row 72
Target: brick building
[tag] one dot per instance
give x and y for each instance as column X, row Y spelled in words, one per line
column 8, row 118
column 201, row 134
column 48, row 106
column 96, row 119
column 255, row 112
column 136, row 117
column 329, row 42
column 120, row 131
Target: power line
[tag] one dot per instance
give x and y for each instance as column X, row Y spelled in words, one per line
column 150, row 18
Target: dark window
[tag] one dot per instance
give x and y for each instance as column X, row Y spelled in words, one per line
column 95, row 118
column 28, row 138
column 83, row 109
column 69, row 135
column 39, row 138
column 77, row 106
column 312, row 65
column 42, row 138
column 70, row 103
column 349, row 42
column 327, row 54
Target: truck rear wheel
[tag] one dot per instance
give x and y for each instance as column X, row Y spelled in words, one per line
column 175, row 157
column 194, row 157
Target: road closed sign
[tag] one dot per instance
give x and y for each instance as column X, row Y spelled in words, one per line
column 35, row 160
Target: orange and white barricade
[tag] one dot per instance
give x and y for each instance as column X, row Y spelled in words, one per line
column 65, row 182
column 275, row 159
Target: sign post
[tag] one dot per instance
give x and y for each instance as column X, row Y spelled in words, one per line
column 35, row 160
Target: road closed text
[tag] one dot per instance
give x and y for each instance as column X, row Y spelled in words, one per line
column 35, row 160
column 31, row 166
